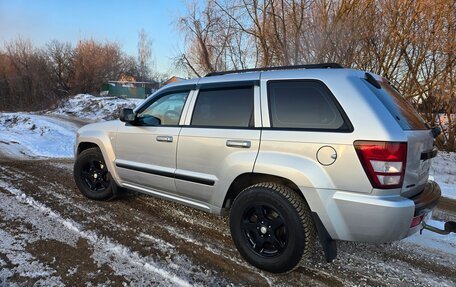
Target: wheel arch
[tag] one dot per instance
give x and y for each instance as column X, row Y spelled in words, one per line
column 103, row 142
column 82, row 146
column 247, row 179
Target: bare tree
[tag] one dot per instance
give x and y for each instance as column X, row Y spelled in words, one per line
column 37, row 78
column 60, row 56
column 213, row 40
column 26, row 74
column 201, row 32
column 94, row 64
column 145, row 60
column 410, row 42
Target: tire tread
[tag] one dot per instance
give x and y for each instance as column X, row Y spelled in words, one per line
column 303, row 211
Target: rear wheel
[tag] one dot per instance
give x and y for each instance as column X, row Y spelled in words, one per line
column 92, row 176
column 272, row 227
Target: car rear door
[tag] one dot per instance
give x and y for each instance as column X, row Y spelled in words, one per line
column 219, row 141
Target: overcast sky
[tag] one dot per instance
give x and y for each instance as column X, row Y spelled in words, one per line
column 113, row 20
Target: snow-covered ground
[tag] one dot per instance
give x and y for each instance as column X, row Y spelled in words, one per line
column 52, row 134
column 443, row 169
column 32, row 135
column 431, row 240
column 88, row 107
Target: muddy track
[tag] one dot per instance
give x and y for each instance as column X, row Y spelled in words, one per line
column 140, row 240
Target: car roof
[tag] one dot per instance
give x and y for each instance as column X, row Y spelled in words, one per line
column 317, row 71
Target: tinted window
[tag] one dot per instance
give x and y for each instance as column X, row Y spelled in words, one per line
column 407, row 117
column 303, row 105
column 167, row 109
column 228, row 107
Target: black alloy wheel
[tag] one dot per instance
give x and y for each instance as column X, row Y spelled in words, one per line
column 265, row 230
column 95, row 175
column 92, row 175
column 272, row 227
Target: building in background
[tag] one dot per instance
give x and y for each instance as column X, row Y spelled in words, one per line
column 129, row 89
column 172, row 80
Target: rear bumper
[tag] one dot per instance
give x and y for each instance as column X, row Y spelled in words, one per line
column 426, row 200
column 367, row 218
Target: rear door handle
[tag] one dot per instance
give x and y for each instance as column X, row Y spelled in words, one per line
column 165, row 139
column 236, row 143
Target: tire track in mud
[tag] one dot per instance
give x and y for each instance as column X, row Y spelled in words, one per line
column 50, row 226
column 143, row 220
column 199, row 245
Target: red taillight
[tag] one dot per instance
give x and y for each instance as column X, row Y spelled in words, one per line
column 383, row 162
column 416, row 220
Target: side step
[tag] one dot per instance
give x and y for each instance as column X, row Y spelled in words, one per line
column 329, row 245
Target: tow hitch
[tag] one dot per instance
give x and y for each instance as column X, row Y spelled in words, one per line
column 450, row 226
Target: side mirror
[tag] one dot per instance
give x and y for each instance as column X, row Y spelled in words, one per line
column 127, row 116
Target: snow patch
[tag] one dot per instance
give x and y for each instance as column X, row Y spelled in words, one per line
column 53, row 134
column 161, row 244
column 443, row 170
column 89, row 107
column 11, row 210
column 429, row 240
column 26, row 264
column 23, row 135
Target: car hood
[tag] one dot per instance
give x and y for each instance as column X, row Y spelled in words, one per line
column 108, row 126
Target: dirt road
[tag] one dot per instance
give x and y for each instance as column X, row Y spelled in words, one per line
column 50, row 235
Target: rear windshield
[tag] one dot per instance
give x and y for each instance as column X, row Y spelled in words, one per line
column 404, row 113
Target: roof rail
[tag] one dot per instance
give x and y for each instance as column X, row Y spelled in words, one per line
column 307, row 66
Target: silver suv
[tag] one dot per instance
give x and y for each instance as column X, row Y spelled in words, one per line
column 293, row 154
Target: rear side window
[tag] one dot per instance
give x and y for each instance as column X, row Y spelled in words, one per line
column 404, row 113
column 227, row 107
column 304, row 104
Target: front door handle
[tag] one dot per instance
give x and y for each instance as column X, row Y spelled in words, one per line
column 168, row 139
column 237, row 143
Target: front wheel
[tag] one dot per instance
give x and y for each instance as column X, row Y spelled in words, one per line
column 272, row 227
column 92, row 176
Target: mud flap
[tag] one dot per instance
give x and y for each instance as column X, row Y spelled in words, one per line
column 116, row 190
column 329, row 245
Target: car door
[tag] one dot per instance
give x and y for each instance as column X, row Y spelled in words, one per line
column 146, row 150
column 219, row 141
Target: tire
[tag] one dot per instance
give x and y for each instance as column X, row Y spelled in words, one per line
column 92, row 176
column 272, row 227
